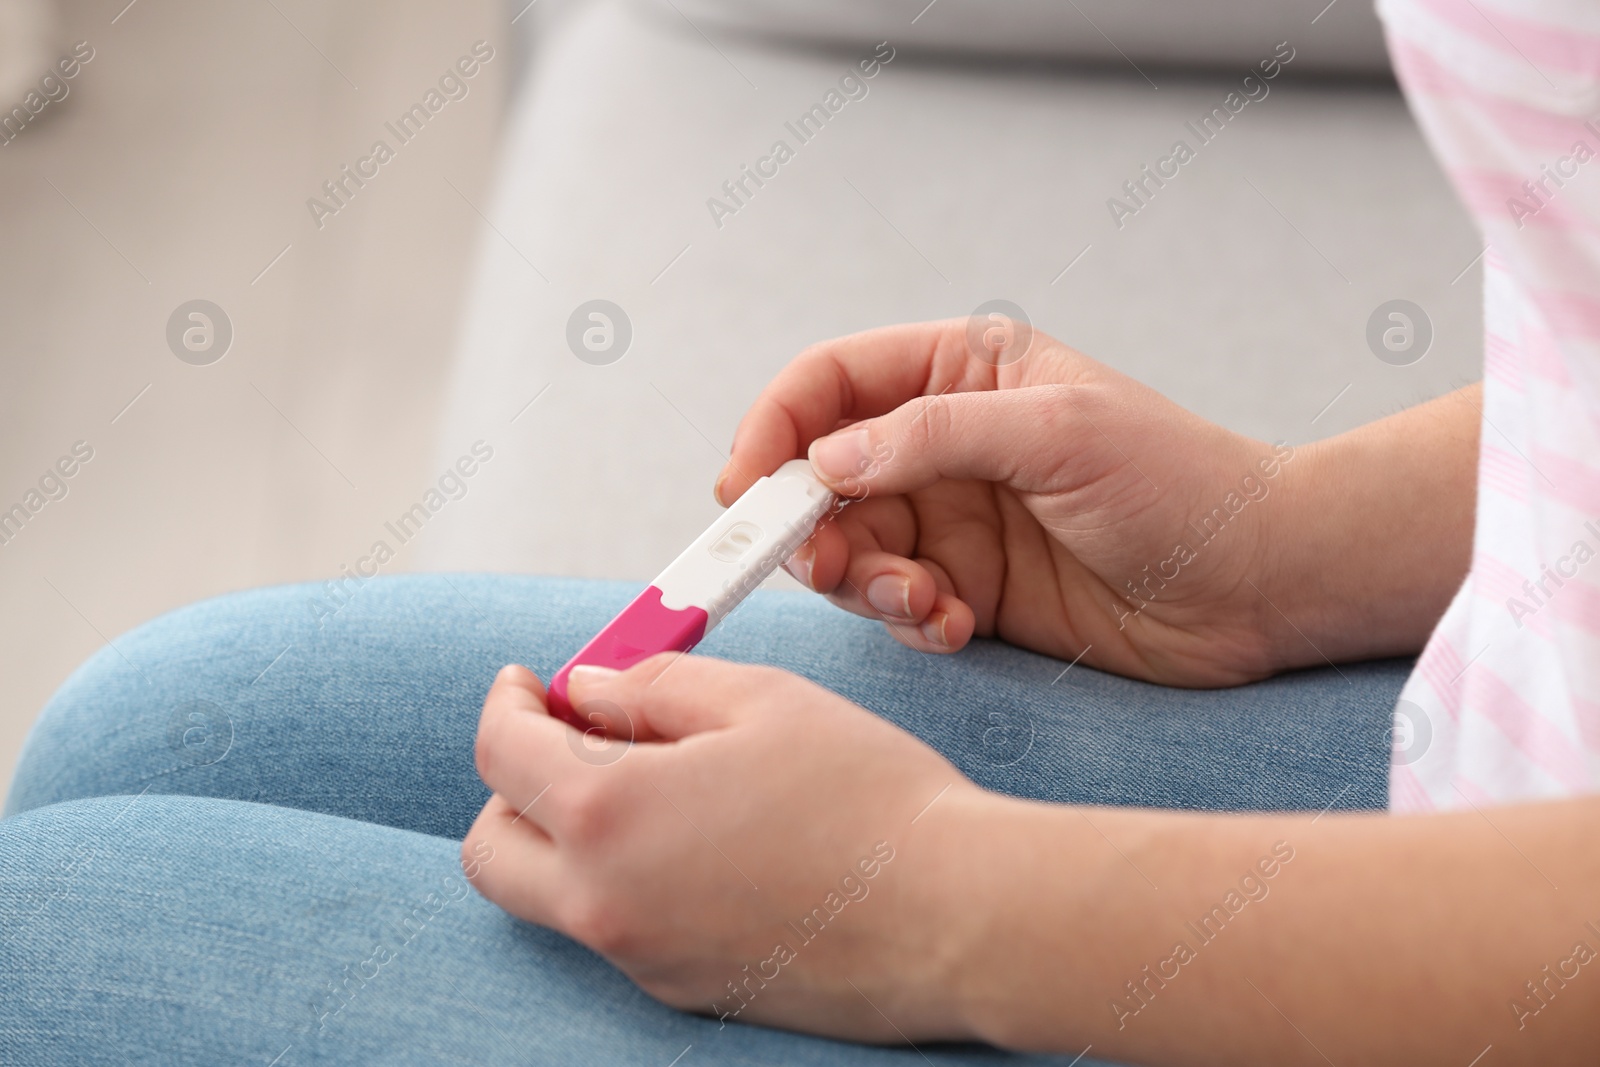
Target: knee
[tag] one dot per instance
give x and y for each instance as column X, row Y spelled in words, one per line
column 154, row 702
column 45, row 853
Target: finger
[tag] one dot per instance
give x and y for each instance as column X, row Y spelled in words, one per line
column 941, row 577
column 891, row 522
column 521, row 749
column 993, row 437
column 947, row 627
column 843, row 381
column 675, row 695
column 885, row 586
column 819, row 563
column 512, row 863
column 939, row 620
column 885, row 523
column 518, row 685
column 856, row 574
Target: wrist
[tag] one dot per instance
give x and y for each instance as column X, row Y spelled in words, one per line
column 955, row 900
column 1376, row 536
column 1301, row 557
column 1014, row 915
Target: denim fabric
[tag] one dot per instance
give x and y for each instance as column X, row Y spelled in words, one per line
column 335, row 746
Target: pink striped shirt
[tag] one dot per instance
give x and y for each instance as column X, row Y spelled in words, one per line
column 1504, row 704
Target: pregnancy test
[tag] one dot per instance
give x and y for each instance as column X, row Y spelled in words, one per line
column 725, row 564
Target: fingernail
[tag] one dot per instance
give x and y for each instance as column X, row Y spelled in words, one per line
column 891, row 595
column 716, row 490
column 506, row 672
column 933, row 629
column 841, row 455
column 800, row 564
column 585, row 675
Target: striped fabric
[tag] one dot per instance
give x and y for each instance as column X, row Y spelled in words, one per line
column 1504, row 704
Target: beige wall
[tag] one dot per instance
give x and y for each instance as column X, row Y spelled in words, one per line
column 188, row 147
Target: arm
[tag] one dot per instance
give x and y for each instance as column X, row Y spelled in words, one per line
column 693, row 859
column 1375, row 940
column 1379, row 535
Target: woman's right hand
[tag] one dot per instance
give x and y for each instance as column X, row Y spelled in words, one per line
column 1035, row 496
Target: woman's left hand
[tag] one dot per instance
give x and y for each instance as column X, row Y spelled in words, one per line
column 766, row 850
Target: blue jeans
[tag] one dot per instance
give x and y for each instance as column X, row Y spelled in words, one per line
column 232, row 835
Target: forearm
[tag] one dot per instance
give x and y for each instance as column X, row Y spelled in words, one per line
column 1379, row 534
column 1373, row 939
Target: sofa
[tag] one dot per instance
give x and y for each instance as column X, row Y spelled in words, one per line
column 1019, row 150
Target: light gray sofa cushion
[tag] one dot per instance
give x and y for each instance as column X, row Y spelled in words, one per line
column 1242, row 288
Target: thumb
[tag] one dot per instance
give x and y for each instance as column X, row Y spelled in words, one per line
column 666, row 697
column 980, row 435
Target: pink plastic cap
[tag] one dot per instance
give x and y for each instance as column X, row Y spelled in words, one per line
column 642, row 629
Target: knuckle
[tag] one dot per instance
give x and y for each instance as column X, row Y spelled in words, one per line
column 1076, row 405
column 589, row 918
column 1072, row 417
column 588, row 809
column 1063, row 403
column 925, row 424
column 1075, row 418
